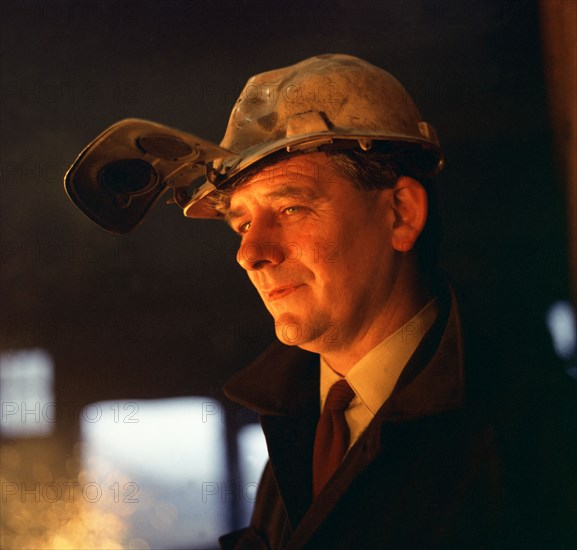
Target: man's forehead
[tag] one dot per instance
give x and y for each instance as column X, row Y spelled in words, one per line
column 300, row 178
column 302, row 174
column 301, row 188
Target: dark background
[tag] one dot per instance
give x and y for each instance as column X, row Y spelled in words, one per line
column 166, row 311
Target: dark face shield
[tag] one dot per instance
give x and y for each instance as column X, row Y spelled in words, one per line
column 121, row 175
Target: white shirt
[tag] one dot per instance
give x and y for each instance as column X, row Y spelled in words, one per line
column 375, row 375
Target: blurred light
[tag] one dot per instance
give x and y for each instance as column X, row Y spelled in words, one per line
column 253, row 455
column 47, row 512
column 162, row 466
column 561, row 323
column 26, row 393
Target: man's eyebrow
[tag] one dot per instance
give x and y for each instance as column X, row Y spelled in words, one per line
column 292, row 191
column 231, row 215
column 286, row 191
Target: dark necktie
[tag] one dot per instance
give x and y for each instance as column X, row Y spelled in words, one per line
column 332, row 435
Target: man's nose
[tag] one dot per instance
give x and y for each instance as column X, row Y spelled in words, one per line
column 258, row 250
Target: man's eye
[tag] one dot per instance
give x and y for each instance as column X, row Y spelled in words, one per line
column 243, row 228
column 291, row 210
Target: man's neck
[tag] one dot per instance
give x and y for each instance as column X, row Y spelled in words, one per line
column 410, row 296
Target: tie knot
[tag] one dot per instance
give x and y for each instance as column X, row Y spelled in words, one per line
column 339, row 396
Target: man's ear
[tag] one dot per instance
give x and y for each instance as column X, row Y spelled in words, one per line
column 410, row 206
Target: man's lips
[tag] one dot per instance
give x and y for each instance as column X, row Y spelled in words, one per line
column 280, row 291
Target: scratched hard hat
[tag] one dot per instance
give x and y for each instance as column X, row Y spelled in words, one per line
column 325, row 102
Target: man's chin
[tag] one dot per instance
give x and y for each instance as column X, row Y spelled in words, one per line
column 289, row 331
column 293, row 331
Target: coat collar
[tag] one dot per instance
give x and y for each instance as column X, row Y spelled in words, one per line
column 282, row 381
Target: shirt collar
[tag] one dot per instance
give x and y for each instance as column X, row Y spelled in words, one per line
column 373, row 377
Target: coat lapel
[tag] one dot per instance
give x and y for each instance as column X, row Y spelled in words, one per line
column 290, row 442
column 282, row 386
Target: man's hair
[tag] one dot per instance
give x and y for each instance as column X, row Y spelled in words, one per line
column 378, row 168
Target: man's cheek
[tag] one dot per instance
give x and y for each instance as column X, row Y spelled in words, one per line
column 321, row 252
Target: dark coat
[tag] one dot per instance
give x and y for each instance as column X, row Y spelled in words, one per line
column 442, row 465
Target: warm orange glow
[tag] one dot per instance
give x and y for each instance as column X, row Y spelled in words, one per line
column 44, row 513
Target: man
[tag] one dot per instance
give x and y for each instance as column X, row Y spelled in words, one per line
column 395, row 416
column 331, row 193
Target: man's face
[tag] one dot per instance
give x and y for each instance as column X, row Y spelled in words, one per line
column 317, row 249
